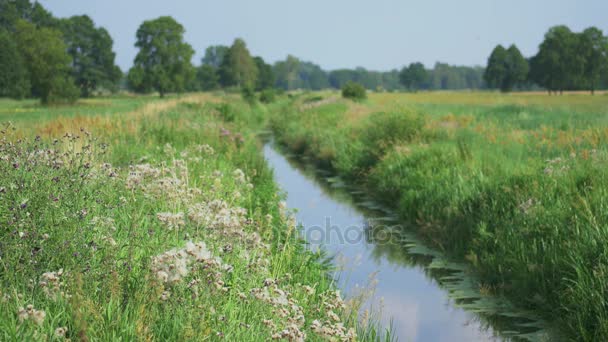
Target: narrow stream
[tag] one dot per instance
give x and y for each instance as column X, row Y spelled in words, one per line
column 418, row 294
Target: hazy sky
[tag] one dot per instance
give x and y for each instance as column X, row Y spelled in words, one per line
column 375, row 34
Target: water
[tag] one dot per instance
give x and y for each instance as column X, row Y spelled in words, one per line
column 418, row 293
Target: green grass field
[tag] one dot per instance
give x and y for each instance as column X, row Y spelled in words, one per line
column 153, row 220
column 515, row 184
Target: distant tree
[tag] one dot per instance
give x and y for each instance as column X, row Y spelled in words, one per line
column 92, row 56
column 496, row 70
column 214, row 55
column 286, row 73
column 265, row 77
column 354, row 91
column 558, row 65
column 163, row 62
column 238, row 67
column 14, row 79
column 506, row 68
column 12, row 11
column 414, row 76
column 207, row 77
column 594, row 48
column 48, row 63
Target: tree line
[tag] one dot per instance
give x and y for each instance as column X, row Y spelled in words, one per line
column 566, row 60
column 56, row 60
column 61, row 59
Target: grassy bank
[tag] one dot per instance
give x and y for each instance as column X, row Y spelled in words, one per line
column 152, row 220
column 515, row 184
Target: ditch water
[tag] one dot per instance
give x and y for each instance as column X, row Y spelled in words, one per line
column 418, row 294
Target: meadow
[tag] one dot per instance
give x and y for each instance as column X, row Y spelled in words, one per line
column 515, row 184
column 145, row 219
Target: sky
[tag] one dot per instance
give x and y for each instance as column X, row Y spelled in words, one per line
column 375, row 34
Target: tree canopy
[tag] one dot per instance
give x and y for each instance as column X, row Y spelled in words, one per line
column 163, row 62
column 414, row 76
column 506, row 69
column 14, row 79
column 238, row 67
column 92, row 56
column 47, row 61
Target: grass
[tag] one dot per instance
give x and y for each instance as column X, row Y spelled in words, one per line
column 153, row 220
column 514, row 184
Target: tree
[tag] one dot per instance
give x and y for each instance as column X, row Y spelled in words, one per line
column 286, row 72
column 163, row 62
column 92, row 56
column 517, row 69
column 207, row 77
column 354, row 91
column 558, row 65
column 48, row 64
column 414, row 76
column 506, row 68
column 496, row 69
column 238, row 67
column 594, row 48
column 214, row 55
column 12, row 11
column 265, row 77
column 14, row 80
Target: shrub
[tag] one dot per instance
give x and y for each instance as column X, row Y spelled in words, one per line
column 353, row 91
column 267, row 96
column 248, row 94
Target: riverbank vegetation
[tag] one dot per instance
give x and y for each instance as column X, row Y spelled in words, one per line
column 153, row 219
column 514, row 184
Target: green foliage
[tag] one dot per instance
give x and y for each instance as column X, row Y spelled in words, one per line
column 238, row 67
column 268, row 96
column 92, row 56
column 248, row 94
column 354, row 91
column 214, row 55
column 14, row 80
column 414, row 77
column 594, row 47
column 558, row 65
column 44, row 54
column 207, row 77
column 265, row 77
column 506, row 68
column 163, row 61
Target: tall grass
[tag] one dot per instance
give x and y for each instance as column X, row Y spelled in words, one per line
column 161, row 223
column 515, row 184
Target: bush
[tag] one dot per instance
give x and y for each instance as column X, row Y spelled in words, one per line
column 267, row 96
column 248, row 94
column 353, row 91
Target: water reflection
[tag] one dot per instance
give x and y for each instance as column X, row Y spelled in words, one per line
column 422, row 294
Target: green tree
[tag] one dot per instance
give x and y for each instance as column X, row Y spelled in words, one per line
column 92, row 56
column 47, row 61
column 163, row 62
column 594, row 48
column 14, row 80
column 496, row 70
column 265, row 77
column 214, row 55
column 558, row 65
column 414, row 76
column 207, row 77
column 238, row 67
column 286, row 72
column 12, row 11
column 517, row 69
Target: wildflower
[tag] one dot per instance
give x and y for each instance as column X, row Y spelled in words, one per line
column 60, row 332
column 38, row 316
column 239, row 176
column 165, row 296
column 171, row 221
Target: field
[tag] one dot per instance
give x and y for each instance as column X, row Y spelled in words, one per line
column 514, row 184
column 145, row 219
column 137, row 218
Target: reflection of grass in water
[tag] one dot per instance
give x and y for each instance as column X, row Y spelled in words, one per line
column 403, row 248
